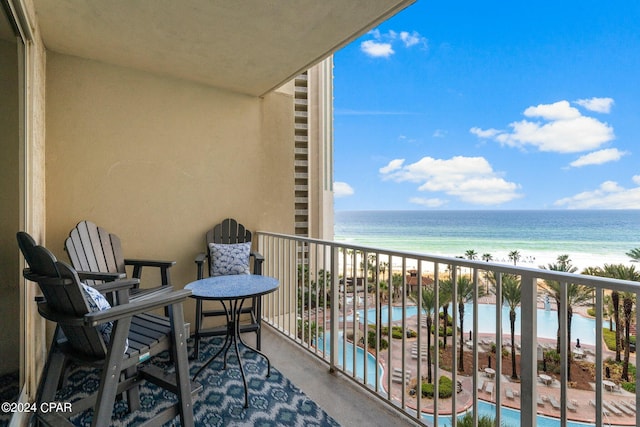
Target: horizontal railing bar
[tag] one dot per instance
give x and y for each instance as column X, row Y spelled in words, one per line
column 539, row 273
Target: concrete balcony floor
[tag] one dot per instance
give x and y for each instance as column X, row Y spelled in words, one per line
column 343, row 400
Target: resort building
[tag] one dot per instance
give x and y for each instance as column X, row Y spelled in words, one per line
column 157, row 120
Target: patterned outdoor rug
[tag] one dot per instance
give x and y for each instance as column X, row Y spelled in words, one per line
column 273, row 401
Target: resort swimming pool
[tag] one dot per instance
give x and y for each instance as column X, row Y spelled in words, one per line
column 581, row 327
column 509, row 417
column 371, row 360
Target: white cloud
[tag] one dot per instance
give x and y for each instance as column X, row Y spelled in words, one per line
column 342, row 189
column 429, row 203
column 376, row 49
column 470, row 179
column 561, row 129
column 598, row 105
column 410, row 39
column 439, row 133
column 598, row 157
column 486, row 133
column 610, row 195
column 381, row 46
column 393, row 165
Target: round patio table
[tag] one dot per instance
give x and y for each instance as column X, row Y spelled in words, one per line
column 232, row 290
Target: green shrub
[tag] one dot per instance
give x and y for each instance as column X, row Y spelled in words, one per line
column 396, row 334
column 591, row 312
column 630, row 387
column 609, row 338
column 445, row 388
column 371, row 341
column 483, row 421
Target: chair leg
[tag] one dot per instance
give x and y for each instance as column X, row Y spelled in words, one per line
column 181, row 361
column 133, row 394
column 52, row 375
column 196, row 341
column 109, row 382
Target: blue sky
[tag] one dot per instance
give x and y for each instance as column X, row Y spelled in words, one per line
column 491, row 105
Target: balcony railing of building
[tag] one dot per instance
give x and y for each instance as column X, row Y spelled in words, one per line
column 334, row 294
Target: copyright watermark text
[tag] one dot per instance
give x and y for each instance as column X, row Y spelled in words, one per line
column 44, row 407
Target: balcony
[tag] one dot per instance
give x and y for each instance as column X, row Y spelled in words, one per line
column 304, row 321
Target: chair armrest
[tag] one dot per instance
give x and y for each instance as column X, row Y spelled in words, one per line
column 258, row 259
column 149, row 263
column 139, row 263
column 117, row 285
column 138, row 306
column 107, row 277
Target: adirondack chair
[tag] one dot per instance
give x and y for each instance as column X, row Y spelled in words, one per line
column 116, row 339
column 92, row 249
column 229, row 232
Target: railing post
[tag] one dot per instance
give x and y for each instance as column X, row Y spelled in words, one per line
column 529, row 353
column 334, row 312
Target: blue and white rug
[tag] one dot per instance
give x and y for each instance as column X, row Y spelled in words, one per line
column 273, row 401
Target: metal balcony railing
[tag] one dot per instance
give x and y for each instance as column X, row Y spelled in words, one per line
column 334, row 294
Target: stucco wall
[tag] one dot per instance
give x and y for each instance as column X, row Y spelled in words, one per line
column 158, row 161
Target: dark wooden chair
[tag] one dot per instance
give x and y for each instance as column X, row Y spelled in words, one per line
column 228, row 232
column 98, row 255
column 117, row 339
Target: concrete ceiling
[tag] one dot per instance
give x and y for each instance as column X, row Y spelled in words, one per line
column 246, row 46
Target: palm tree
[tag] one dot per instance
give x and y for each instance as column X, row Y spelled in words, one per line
column 511, row 294
column 627, row 309
column 634, row 254
column 471, row 254
column 623, row 272
column 444, row 299
column 576, row 295
column 487, row 257
column 514, row 256
column 615, row 300
column 428, row 306
column 466, row 290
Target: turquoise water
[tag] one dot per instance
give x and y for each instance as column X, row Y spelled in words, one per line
column 509, row 417
column 590, row 237
column 581, row 327
column 360, row 357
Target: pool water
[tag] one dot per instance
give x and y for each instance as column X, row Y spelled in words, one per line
column 360, row 357
column 581, row 327
column 509, row 417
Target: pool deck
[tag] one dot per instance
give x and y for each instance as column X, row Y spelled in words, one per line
column 580, row 399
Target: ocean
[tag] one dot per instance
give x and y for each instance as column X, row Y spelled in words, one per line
column 591, row 238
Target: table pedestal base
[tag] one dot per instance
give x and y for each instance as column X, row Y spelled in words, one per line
column 234, row 339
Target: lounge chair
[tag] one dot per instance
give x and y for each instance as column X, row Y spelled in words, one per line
column 611, row 408
column 622, row 406
column 480, row 385
column 509, row 394
column 571, row 406
column 605, row 411
column 554, row 403
column 630, row 405
column 540, row 401
column 489, row 388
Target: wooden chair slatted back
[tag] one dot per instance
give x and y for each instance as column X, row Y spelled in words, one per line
column 92, row 248
column 227, row 232
column 62, row 291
